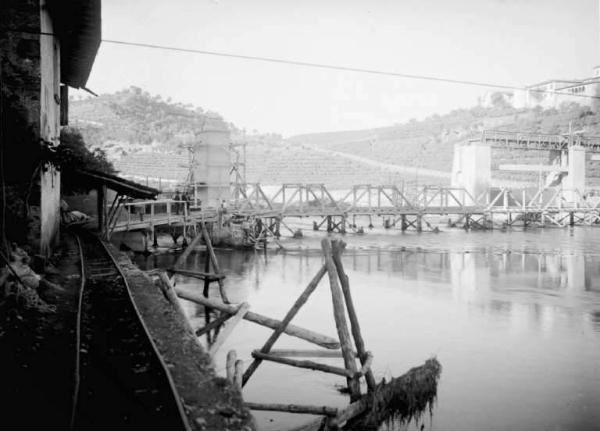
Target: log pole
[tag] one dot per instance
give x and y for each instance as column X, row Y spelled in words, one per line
column 242, row 310
column 366, row 365
column 215, row 262
column 239, row 373
column 353, row 410
column 285, row 322
column 169, row 292
column 338, row 248
column 299, row 363
column 183, row 256
column 307, row 353
column 295, row 331
column 205, row 292
column 197, row 274
column 230, row 365
column 213, row 324
column 340, row 321
column 294, row 408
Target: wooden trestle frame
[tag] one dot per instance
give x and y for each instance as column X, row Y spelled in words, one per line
column 342, row 302
column 348, row 346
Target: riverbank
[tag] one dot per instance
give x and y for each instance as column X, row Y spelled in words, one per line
column 38, row 353
column 211, row 402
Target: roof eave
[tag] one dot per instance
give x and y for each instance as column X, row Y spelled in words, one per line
column 78, row 24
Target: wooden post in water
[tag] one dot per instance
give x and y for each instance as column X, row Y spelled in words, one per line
column 230, row 365
column 214, row 261
column 338, row 248
column 205, row 292
column 340, row 321
column 239, row 373
column 183, row 256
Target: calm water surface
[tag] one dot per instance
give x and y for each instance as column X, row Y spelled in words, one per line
column 513, row 317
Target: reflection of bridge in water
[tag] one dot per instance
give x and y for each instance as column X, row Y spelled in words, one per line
column 465, row 271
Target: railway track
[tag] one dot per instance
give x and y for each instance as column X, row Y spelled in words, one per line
column 121, row 381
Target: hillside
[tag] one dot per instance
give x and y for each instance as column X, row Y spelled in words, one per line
column 430, row 143
column 137, row 129
column 132, row 120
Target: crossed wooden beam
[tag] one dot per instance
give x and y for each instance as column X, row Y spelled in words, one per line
column 348, row 346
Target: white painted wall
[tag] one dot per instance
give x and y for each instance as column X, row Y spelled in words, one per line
column 49, row 131
column 575, row 179
column 213, row 160
column 472, row 168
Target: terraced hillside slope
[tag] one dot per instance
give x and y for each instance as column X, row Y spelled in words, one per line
column 142, row 134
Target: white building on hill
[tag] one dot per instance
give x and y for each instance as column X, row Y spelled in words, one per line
column 551, row 93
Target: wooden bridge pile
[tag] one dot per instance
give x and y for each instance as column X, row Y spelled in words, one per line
column 403, row 397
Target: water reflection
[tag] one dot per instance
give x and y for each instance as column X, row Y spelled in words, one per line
column 541, row 282
column 463, row 270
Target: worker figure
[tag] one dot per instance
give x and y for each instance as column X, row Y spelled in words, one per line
column 186, row 202
column 246, row 230
column 258, row 227
column 177, row 198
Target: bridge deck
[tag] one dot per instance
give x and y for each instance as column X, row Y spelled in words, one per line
column 295, row 201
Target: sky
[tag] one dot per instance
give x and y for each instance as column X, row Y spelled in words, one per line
column 509, row 42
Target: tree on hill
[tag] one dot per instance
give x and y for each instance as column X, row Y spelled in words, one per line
column 72, row 154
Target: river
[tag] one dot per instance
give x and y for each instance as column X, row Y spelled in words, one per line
column 512, row 316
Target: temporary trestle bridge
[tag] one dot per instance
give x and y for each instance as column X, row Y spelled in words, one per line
column 338, row 211
column 499, row 206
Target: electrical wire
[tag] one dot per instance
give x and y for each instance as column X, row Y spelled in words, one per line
column 332, row 67
column 340, row 68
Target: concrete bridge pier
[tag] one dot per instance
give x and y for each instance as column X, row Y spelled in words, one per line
column 575, row 179
column 472, row 169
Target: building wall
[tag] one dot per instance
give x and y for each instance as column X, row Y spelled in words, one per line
column 29, row 74
column 530, row 98
column 20, row 98
column 49, row 131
